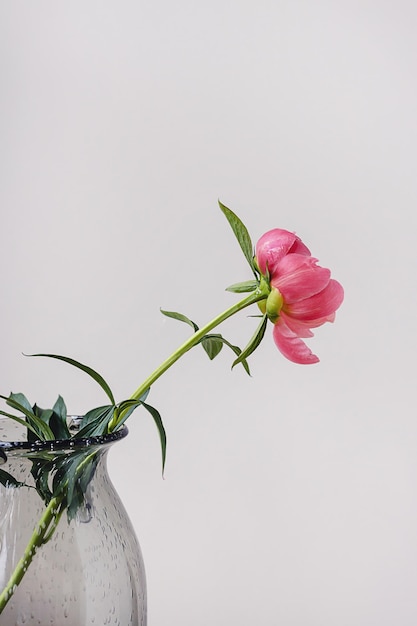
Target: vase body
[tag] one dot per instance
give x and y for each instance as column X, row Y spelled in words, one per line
column 90, row 571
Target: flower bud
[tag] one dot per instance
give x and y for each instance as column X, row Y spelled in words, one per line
column 274, row 303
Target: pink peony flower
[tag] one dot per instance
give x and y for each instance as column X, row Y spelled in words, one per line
column 303, row 296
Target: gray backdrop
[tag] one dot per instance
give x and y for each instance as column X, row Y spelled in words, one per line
column 289, row 498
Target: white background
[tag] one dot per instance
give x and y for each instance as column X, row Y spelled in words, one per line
column 289, row 498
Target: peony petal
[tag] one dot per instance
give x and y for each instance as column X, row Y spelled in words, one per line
column 291, row 346
column 321, row 305
column 274, row 245
column 319, row 321
column 298, row 277
column 301, row 329
column 299, row 248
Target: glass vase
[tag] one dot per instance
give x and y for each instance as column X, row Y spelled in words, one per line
column 88, row 568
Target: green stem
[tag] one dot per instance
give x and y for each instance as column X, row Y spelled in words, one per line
column 260, row 294
column 42, row 532
column 46, row 526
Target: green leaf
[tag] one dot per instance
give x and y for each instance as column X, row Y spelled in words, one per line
column 245, row 287
column 71, row 477
column 126, row 407
column 212, row 344
column 235, row 349
column 22, row 400
column 30, row 428
column 33, row 422
column 85, row 368
column 254, row 342
column 77, row 486
column 8, row 480
column 43, row 414
column 162, row 434
column 180, row 317
column 58, row 421
column 95, row 422
column 241, row 234
column 238, row 352
column 41, row 470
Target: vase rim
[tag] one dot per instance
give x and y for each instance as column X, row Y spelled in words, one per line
column 52, row 445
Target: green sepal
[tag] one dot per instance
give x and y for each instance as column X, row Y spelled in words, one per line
column 181, row 318
column 254, row 342
column 241, row 234
column 245, row 287
column 85, row 368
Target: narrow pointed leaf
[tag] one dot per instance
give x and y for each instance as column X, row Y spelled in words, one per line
column 254, row 341
column 235, row 349
column 212, row 344
column 8, row 480
column 41, row 429
column 241, row 234
column 22, row 422
column 85, row 368
column 244, row 287
column 60, row 408
column 162, row 434
column 22, row 400
column 238, row 352
column 74, row 477
column 180, row 317
column 95, row 422
column 125, row 409
column 40, row 471
column 58, row 421
column 43, row 414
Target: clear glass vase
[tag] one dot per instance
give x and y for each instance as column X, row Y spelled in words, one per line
column 89, row 568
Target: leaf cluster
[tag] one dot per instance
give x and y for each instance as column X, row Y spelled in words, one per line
column 67, row 475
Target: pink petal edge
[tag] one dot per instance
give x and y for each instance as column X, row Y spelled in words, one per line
column 321, row 305
column 291, row 346
column 274, row 245
column 299, row 277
